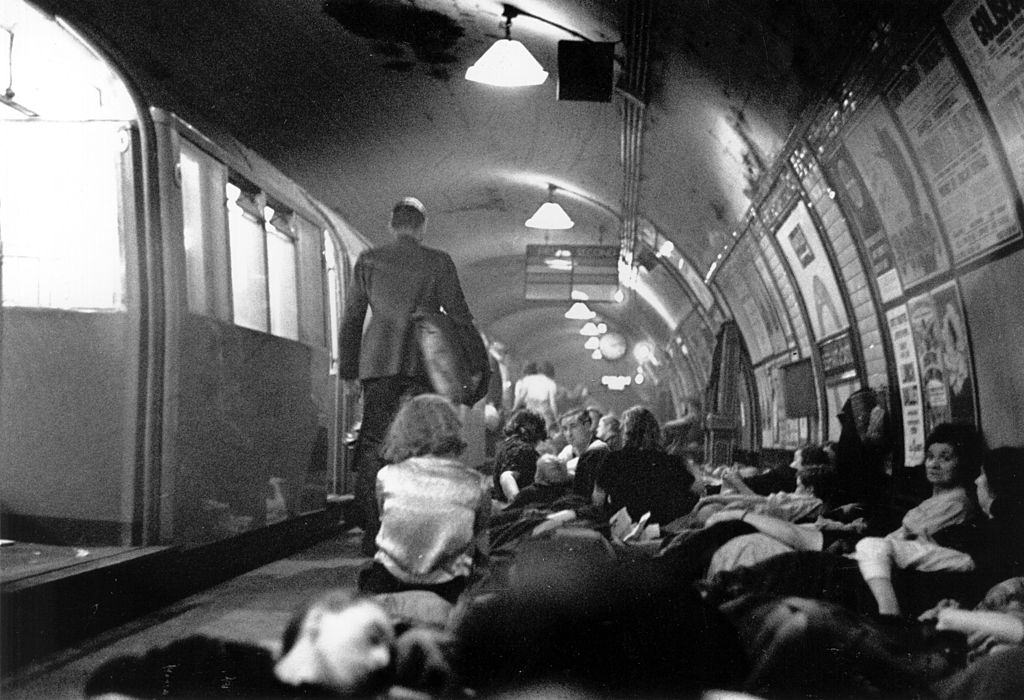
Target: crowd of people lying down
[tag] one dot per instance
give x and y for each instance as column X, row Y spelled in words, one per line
column 611, row 566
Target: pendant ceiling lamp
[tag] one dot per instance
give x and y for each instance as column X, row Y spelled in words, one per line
column 550, row 215
column 507, row 63
column 580, row 312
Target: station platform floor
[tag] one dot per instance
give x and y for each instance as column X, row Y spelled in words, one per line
column 253, row 607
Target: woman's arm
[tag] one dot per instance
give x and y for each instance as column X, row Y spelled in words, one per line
column 509, row 487
column 799, row 538
column 1003, row 627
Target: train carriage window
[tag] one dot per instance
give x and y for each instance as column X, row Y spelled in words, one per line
column 282, row 278
column 248, row 246
column 203, row 179
column 60, row 219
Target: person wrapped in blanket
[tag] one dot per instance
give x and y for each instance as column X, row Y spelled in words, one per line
column 335, row 645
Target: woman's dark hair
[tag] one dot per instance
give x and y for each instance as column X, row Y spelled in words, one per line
column 1004, row 472
column 528, row 425
column 814, row 455
column 822, row 479
column 640, row 430
column 966, row 444
column 547, row 369
column 530, row 368
column 425, row 425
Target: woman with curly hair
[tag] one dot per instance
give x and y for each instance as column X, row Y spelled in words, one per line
column 515, row 461
column 642, row 476
column 433, row 509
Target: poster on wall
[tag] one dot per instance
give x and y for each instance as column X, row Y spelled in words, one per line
column 898, row 320
column 945, row 128
column 944, row 361
column 866, row 223
column 990, row 36
column 767, row 300
column 802, row 247
column 895, row 188
column 767, row 396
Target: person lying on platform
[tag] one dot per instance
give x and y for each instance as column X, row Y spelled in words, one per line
column 336, row 645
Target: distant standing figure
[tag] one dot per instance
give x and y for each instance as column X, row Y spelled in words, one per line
column 537, row 391
column 393, row 281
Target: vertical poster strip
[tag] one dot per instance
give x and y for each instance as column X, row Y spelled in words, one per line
column 945, row 128
column 885, row 168
column 990, row 36
column 940, row 337
column 866, row 222
column 898, row 319
column 802, row 247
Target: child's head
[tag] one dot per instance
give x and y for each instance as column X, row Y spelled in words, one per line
column 551, row 471
column 338, row 642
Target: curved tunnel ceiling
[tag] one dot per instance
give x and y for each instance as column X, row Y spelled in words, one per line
column 363, row 102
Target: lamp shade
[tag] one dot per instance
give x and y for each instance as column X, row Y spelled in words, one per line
column 580, row 312
column 550, row 216
column 507, row 64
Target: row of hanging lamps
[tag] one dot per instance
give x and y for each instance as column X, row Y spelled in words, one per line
column 507, row 63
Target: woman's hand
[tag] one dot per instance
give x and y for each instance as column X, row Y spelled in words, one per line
column 932, row 615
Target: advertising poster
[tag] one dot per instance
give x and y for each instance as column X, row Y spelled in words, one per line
column 945, row 128
column 767, row 395
column 768, row 301
column 990, row 36
column 802, row 247
column 944, row 361
column 866, row 224
column 902, row 336
column 884, row 166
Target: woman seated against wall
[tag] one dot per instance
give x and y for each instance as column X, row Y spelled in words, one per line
column 515, row 461
column 939, row 534
column 642, row 477
column 433, row 509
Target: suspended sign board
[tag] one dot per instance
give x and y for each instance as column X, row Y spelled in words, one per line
column 566, row 272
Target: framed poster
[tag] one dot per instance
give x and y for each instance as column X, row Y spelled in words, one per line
column 944, row 360
column 883, row 163
column 945, row 129
column 909, row 384
column 990, row 36
column 866, row 223
column 803, row 250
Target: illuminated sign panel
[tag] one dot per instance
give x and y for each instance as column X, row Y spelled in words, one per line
column 568, row 272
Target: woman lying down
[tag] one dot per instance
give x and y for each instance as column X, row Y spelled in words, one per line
column 336, row 646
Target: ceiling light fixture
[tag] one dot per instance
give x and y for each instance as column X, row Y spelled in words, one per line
column 589, row 328
column 593, row 343
column 580, row 312
column 550, row 215
column 507, row 63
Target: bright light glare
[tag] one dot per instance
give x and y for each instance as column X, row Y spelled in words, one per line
column 507, row 64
